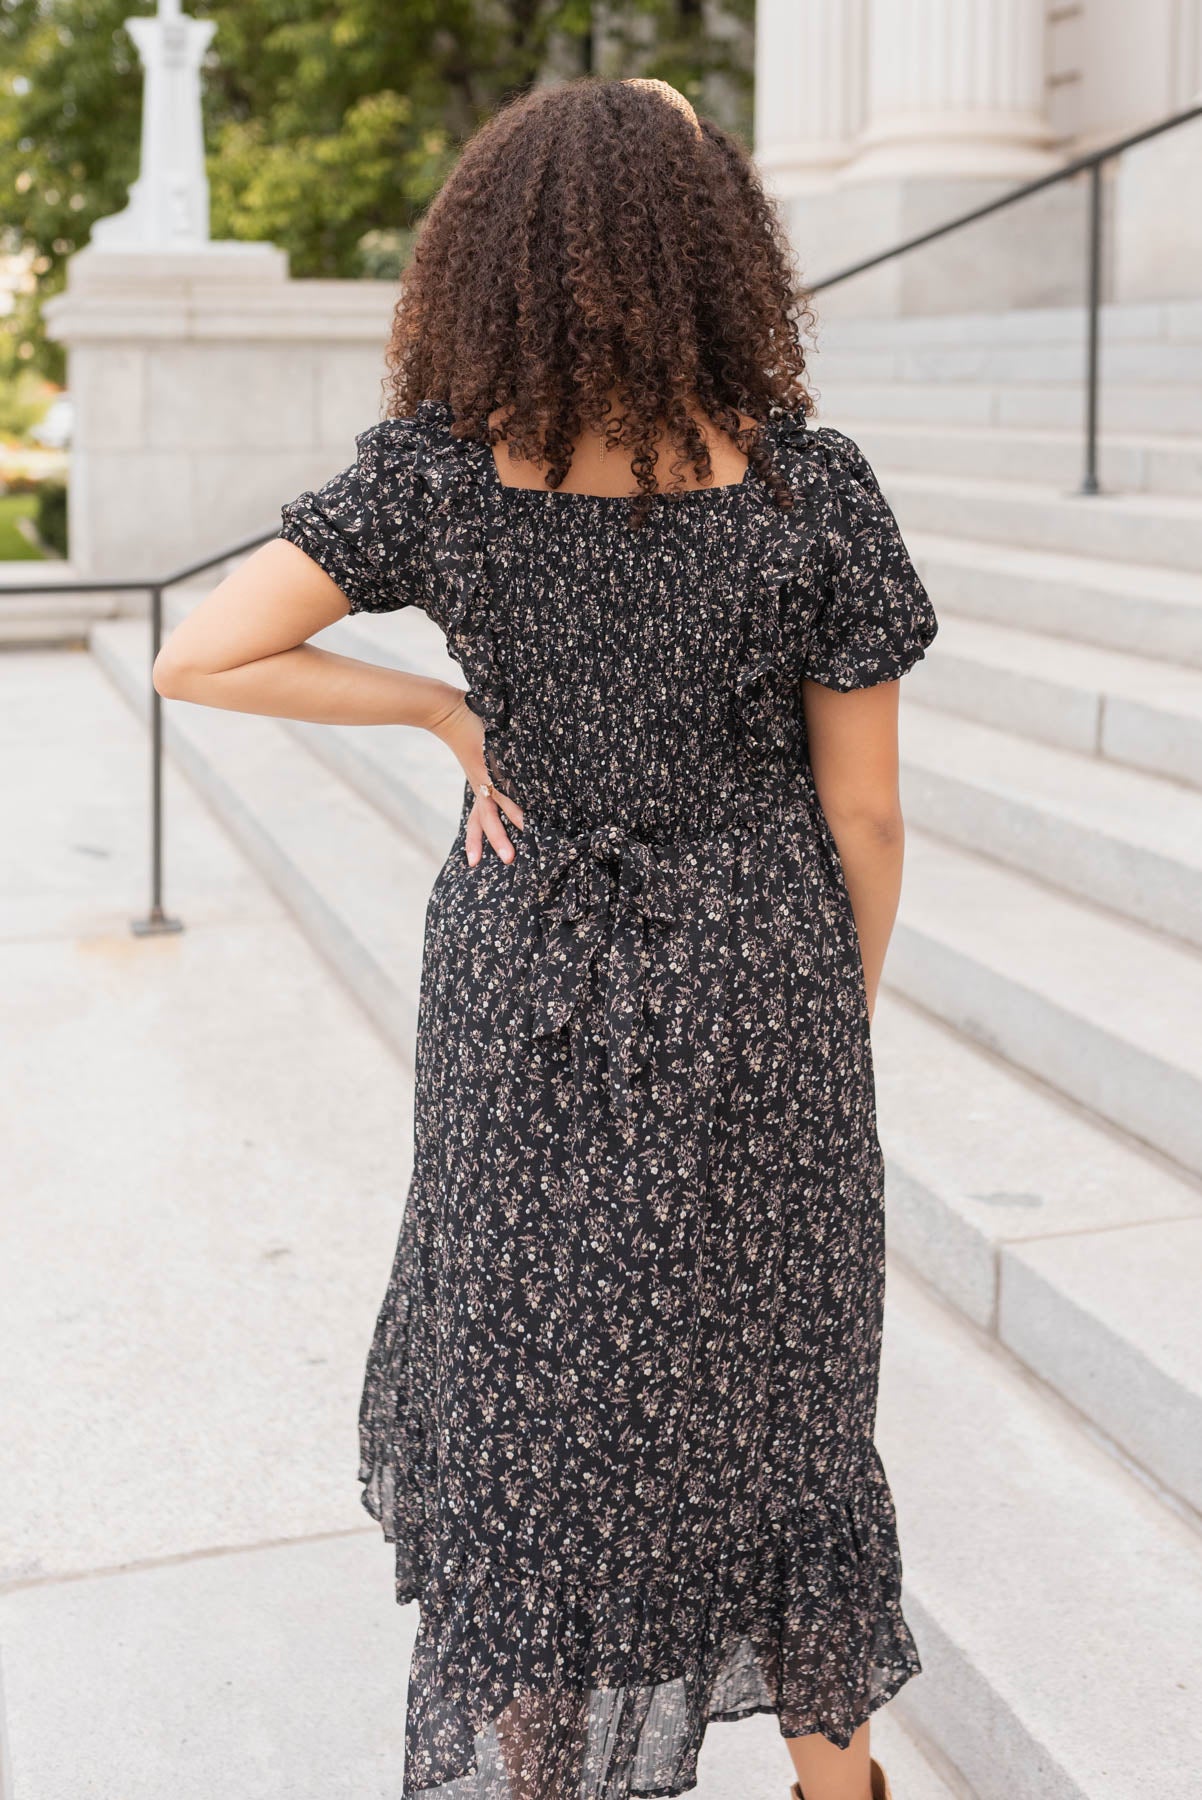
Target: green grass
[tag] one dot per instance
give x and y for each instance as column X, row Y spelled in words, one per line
column 14, row 547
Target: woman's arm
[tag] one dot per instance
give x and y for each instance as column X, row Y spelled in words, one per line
column 853, row 753
column 245, row 648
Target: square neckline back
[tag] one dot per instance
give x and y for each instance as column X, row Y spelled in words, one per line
column 712, row 492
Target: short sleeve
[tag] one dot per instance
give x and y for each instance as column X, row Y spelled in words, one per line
column 364, row 526
column 874, row 619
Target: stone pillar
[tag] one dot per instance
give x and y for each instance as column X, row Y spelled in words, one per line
column 955, row 88
column 809, row 89
column 954, row 114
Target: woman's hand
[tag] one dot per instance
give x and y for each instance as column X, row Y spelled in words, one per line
column 246, row 648
column 462, row 731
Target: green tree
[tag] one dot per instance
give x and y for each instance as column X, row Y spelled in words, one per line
column 328, row 129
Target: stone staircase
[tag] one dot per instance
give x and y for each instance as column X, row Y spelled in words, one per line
column 1038, row 1049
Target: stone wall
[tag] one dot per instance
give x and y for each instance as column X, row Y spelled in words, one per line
column 209, row 389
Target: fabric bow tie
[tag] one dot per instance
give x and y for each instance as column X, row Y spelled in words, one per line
column 582, row 911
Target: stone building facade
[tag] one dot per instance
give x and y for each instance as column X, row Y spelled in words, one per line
column 878, row 118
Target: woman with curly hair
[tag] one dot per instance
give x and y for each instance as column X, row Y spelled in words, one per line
column 619, row 1407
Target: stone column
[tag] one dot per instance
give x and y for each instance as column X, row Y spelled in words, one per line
column 956, row 88
column 809, row 89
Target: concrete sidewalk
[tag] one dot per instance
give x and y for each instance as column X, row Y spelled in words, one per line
column 207, row 1153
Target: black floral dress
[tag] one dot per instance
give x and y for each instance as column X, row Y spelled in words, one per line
column 619, row 1408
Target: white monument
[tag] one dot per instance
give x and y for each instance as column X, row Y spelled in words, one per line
column 169, row 202
column 209, row 387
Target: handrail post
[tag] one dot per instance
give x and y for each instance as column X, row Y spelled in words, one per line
column 156, row 921
column 1089, row 478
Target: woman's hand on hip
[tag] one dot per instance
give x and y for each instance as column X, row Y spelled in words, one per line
column 462, row 731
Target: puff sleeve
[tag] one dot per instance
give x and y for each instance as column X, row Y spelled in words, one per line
column 875, row 620
column 364, row 527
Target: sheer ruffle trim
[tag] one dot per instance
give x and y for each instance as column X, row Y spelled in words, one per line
column 606, row 1691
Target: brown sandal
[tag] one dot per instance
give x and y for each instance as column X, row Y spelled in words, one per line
column 880, row 1785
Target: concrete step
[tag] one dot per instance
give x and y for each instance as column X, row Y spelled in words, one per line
column 1067, row 1241
column 405, row 775
column 1164, row 530
column 1146, row 610
column 1104, row 1010
column 1111, row 1320
column 408, row 639
column 1029, row 405
column 1004, row 365
column 1056, row 1601
column 1123, row 839
column 1154, row 322
column 356, row 885
column 44, row 620
column 1126, row 709
column 1134, row 463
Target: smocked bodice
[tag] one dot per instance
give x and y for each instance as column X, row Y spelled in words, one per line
column 643, row 677
column 644, row 670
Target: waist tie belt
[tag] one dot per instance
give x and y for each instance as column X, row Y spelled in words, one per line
column 583, row 911
column 579, row 909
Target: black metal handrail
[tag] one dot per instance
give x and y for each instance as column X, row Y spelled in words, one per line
column 1090, row 164
column 156, row 920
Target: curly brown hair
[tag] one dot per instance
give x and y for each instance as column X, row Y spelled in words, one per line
column 592, row 243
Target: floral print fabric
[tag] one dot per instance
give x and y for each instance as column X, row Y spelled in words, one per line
column 619, row 1406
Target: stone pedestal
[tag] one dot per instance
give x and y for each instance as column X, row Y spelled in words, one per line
column 209, row 388
column 1030, row 255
